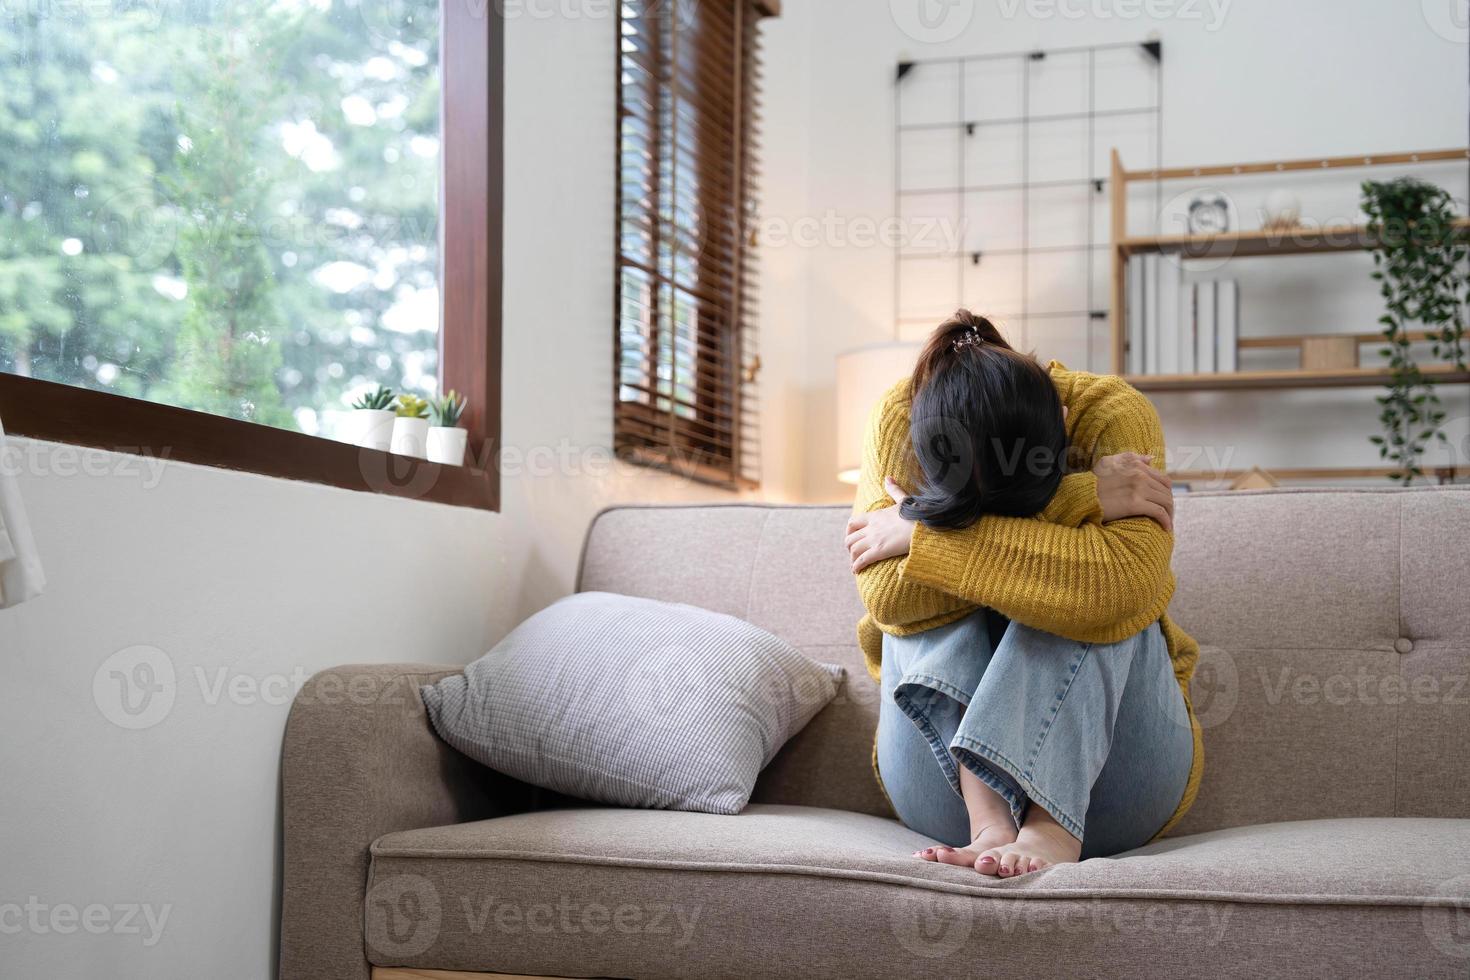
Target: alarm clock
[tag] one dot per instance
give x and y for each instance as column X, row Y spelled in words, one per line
column 1209, row 214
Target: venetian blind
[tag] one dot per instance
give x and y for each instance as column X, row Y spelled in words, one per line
column 686, row 358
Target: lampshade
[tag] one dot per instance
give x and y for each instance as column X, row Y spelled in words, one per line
column 863, row 376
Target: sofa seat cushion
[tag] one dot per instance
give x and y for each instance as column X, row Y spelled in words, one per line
column 801, row 891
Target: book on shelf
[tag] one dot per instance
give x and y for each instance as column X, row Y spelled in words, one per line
column 1151, row 330
column 1169, row 279
column 1179, row 327
column 1188, row 362
column 1204, row 326
column 1227, row 324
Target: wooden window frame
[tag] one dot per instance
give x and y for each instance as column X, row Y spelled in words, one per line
column 472, row 59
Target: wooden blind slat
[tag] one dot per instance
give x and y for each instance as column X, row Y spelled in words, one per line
column 655, row 427
column 718, row 302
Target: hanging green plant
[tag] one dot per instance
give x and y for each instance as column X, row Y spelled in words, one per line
column 1422, row 263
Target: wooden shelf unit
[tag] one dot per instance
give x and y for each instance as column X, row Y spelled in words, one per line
column 1297, row 339
column 1235, row 380
column 1255, row 243
column 1303, row 240
column 1240, row 244
column 1442, row 474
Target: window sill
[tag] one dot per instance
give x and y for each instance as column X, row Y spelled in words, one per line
column 61, row 413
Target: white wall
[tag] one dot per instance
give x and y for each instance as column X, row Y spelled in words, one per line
column 1243, row 80
column 240, row 576
column 260, row 582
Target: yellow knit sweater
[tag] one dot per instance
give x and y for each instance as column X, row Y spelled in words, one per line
column 1063, row 571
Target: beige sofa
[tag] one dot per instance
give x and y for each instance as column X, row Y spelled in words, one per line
column 1331, row 837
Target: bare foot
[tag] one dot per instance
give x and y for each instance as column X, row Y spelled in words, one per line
column 991, row 824
column 988, row 838
column 1041, row 843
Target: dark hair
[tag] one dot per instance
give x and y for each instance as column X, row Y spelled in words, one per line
column 986, row 427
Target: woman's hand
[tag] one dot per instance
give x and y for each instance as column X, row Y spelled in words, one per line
column 879, row 534
column 1127, row 486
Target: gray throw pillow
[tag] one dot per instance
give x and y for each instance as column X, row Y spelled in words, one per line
column 633, row 702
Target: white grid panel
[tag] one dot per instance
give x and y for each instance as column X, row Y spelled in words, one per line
column 1009, row 154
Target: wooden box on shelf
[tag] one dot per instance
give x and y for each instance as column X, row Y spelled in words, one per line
column 1327, row 351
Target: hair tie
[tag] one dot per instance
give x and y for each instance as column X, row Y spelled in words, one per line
column 970, row 338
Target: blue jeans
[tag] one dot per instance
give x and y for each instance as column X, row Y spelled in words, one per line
column 1095, row 734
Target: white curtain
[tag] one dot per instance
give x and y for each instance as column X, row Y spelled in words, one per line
column 21, row 577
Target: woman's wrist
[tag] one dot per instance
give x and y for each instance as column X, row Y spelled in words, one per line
column 880, row 534
column 1129, row 486
column 1075, row 503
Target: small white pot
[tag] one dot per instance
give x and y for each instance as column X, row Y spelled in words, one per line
column 373, row 428
column 447, row 444
column 410, row 437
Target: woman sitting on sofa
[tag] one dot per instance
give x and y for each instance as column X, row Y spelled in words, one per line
column 1035, row 706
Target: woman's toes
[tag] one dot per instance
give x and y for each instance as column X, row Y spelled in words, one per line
column 988, row 863
column 1035, row 864
column 948, row 855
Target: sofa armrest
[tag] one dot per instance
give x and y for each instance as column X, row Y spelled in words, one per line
column 360, row 759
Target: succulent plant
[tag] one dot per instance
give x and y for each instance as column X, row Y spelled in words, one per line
column 448, row 409
column 412, row 407
column 380, row 399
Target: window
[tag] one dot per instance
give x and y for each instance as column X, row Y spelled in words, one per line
column 687, row 119
column 235, row 210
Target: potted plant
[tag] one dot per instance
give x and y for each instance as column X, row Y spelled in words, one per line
column 373, row 419
column 446, row 439
column 1420, row 260
column 411, row 427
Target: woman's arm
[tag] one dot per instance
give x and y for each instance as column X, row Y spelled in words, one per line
column 1098, row 583
column 1099, row 580
column 889, row 597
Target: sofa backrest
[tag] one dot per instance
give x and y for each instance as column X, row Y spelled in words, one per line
column 1334, row 626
